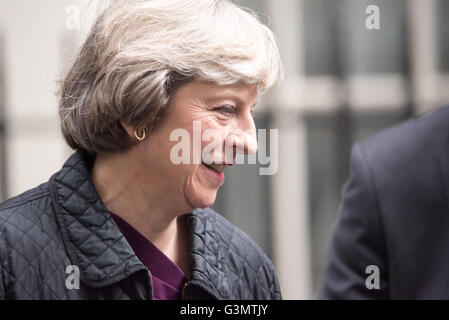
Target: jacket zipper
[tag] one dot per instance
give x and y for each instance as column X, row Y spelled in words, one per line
column 183, row 290
column 151, row 285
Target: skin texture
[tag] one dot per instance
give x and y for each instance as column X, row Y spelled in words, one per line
column 147, row 190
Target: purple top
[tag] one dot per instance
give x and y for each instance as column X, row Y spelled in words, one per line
column 168, row 279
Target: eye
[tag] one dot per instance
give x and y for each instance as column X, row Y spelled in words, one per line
column 225, row 109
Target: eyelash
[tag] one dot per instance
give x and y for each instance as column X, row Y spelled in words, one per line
column 226, row 109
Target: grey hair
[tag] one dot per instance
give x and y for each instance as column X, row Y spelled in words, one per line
column 139, row 51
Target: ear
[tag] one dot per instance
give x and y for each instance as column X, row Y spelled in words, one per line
column 128, row 128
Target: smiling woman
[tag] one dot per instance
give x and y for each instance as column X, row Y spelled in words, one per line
column 133, row 222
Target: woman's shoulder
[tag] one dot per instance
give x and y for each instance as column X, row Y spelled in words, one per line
column 232, row 237
column 244, row 261
column 30, row 195
column 26, row 217
column 241, row 256
column 229, row 235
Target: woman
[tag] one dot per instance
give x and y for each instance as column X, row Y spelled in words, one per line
column 123, row 219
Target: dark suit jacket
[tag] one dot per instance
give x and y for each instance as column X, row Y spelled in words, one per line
column 395, row 215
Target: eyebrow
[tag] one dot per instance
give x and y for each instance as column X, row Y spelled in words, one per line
column 229, row 96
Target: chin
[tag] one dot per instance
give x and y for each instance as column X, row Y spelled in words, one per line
column 204, row 200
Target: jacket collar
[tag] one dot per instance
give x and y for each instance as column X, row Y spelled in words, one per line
column 95, row 244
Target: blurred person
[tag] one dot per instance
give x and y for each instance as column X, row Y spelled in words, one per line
column 392, row 235
column 120, row 215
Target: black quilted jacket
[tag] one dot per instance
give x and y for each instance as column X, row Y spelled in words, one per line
column 63, row 222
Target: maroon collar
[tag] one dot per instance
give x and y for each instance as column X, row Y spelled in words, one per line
column 168, row 278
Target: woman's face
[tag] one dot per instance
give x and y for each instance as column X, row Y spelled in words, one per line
column 218, row 114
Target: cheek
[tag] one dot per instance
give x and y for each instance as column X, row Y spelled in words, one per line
column 214, row 141
column 196, row 127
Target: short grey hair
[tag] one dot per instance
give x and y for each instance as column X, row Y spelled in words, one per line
column 139, row 51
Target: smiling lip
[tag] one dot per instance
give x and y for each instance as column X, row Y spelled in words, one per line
column 220, row 176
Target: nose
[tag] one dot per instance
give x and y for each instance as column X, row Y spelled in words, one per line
column 246, row 141
column 243, row 138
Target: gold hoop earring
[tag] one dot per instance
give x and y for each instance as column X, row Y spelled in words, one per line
column 142, row 129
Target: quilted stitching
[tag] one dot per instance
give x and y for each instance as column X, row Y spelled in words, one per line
column 64, row 222
column 94, row 241
column 31, row 246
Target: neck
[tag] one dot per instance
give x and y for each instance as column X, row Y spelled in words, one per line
column 148, row 208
